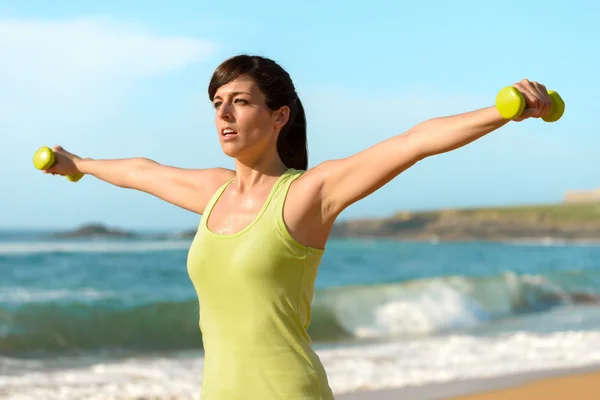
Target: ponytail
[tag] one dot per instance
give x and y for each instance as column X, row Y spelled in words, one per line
column 292, row 143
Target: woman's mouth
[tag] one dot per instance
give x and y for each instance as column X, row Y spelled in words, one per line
column 228, row 132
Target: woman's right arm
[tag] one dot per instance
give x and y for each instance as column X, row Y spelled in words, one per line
column 190, row 189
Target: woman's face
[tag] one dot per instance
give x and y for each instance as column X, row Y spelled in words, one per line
column 245, row 124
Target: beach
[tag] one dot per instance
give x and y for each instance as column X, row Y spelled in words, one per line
column 562, row 384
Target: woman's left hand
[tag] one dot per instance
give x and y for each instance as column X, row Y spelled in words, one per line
column 537, row 100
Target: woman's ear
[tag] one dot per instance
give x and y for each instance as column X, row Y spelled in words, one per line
column 282, row 116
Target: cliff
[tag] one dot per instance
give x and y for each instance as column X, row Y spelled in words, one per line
column 563, row 221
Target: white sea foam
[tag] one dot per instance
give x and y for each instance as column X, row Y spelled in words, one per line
column 12, row 248
column 444, row 359
column 29, row 295
column 433, row 305
column 376, row 366
column 553, row 242
column 435, row 308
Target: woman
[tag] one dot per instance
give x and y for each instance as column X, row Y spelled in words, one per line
column 264, row 226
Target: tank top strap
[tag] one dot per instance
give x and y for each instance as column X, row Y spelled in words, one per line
column 211, row 203
column 281, row 189
column 274, row 214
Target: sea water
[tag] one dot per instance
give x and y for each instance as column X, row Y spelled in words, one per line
column 118, row 319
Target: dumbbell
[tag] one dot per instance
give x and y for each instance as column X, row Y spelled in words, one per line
column 511, row 103
column 43, row 159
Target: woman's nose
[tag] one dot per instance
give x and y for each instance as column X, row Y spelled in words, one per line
column 224, row 112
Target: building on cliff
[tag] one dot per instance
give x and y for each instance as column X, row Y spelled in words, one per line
column 582, row 196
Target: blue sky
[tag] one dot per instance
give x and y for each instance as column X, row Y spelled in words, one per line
column 116, row 79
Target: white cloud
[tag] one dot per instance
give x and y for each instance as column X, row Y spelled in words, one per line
column 79, row 69
column 37, row 54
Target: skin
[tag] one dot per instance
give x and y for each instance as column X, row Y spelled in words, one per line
column 316, row 198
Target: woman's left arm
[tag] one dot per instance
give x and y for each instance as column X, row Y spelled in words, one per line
column 345, row 181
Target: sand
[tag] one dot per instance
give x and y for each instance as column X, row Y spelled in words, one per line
column 576, row 384
column 581, row 387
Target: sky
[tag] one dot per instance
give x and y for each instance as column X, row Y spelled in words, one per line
column 117, row 79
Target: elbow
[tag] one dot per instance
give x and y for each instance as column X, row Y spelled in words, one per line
column 428, row 139
column 414, row 143
column 139, row 170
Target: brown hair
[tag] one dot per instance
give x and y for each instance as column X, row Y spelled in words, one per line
column 279, row 90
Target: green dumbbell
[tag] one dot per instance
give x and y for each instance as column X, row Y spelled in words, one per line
column 511, row 103
column 44, row 158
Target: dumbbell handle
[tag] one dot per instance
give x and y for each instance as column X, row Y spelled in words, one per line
column 511, row 103
column 43, row 159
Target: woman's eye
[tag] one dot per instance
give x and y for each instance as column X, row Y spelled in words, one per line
column 241, row 101
column 217, row 104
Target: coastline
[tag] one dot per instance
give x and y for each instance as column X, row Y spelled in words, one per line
column 100, row 231
column 567, row 222
column 536, row 384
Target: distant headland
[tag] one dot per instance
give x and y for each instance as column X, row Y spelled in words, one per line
column 568, row 221
column 94, row 230
column 576, row 218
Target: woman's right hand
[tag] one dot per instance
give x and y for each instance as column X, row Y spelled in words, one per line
column 64, row 163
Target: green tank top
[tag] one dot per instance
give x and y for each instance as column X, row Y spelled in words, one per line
column 255, row 289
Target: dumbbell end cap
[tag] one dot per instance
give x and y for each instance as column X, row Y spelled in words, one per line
column 43, row 158
column 510, row 102
column 74, row 178
column 558, row 107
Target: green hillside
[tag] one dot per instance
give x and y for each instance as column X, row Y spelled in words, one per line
column 565, row 221
column 560, row 213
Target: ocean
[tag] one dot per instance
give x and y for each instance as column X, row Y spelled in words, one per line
column 118, row 318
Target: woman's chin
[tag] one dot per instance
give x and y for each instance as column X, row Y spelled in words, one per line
column 232, row 150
